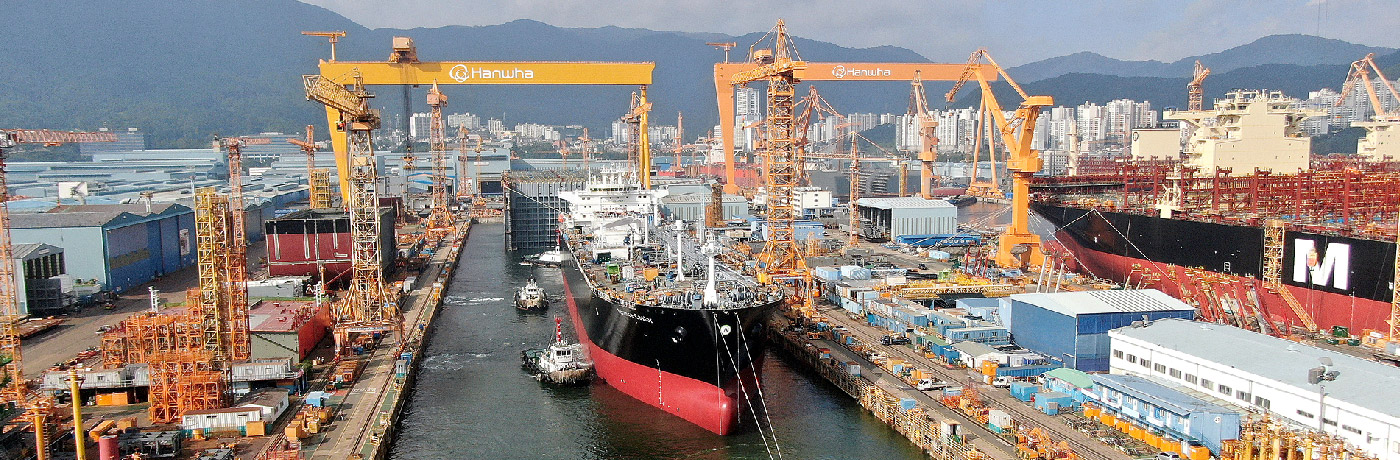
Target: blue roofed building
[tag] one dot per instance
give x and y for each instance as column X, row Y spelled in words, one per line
column 1155, row 406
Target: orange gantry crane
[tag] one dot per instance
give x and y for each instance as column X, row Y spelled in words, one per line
column 318, row 182
column 366, row 308
column 1017, row 246
column 440, row 219
column 928, row 137
column 781, row 67
column 1193, row 89
column 15, row 389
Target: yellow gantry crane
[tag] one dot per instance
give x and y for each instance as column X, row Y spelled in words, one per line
column 366, row 307
column 1017, row 246
column 318, row 181
column 781, row 67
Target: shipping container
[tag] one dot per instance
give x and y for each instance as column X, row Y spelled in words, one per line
column 1024, row 391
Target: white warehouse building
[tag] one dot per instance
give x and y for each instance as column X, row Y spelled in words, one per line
column 1267, row 373
column 891, row 218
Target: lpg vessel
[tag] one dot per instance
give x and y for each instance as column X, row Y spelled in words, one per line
column 662, row 320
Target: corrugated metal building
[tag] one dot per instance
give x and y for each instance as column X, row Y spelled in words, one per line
column 890, row 218
column 1072, row 327
column 690, row 207
column 121, row 245
column 38, row 274
column 1269, row 374
column 533, row 205
column 286, row 329
column 1154, row 406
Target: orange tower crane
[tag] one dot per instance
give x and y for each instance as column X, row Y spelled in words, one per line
column 437, row 145
column 463, row 164
column 16, row 390
column 781, row 67
column 1017, row 246
column 235, row 266
column 928, row 137
column 1193, row 89
column 585, row 144
column 366, row 307
column 640, row 152
column 318, row 181
column 1360, row 75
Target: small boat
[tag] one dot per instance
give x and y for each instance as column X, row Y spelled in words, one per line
column 531, row 297
column 560, row 363
column 550, row 258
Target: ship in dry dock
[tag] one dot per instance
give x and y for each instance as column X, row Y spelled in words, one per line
column 662, row 319
column 1310, row 244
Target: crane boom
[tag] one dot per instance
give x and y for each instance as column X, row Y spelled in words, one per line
column 1194, row 88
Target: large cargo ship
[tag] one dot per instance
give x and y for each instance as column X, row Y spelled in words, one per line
column 1201, row 227
column 662, row 319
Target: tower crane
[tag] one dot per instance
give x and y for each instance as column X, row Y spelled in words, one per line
column 1360, row 74
column 1017, row 246
column 15, row 389
column 440, row 219
column 318, row 181
column 782, row 67
column 636, row 118
column 928, row 137
column 235, row 266
column 366, row 308
column 584, row 143
column 463, row 165
column 680, row 141
column 1193, row 89
column 1382, row 140
column 726, row 46
column 334, row 38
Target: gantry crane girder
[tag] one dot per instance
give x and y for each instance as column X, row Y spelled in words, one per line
column 726, row 72
column 414, row 72
column 1017, row 246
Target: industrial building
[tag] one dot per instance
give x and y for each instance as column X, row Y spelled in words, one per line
column 286, row 329
column 306, row 242
column 120, row 246
column 1269, row 374
column 1072, row 327
column 1157, row 407
column 39, row 274
column 890, row 218
column 690, row 207
column 533, row 205
column 259, row 409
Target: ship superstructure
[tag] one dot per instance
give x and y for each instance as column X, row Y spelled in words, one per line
column 663, row 320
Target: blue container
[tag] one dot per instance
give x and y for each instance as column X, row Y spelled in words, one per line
column 907, row 404
column 1024, row 391
column 1053, row 401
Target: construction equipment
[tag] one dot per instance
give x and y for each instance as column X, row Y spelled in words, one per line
column 584, row 144
column 1193, row 89
column 440, row 219
column 15, row 390
column 1017, row 246
column 1382, row 140
column 411, row 71
column 680, row 141
column 318, row 181
column 782, row 258
column 726, row 46
column 639, row 153
column 1273, row 272
column 334, row 38
column 235, row 261
column 464, row 165
column 1360, row 75
column 816, row 71
column 366, row 307
column 928, row 138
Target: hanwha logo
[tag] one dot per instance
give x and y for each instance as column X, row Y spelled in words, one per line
column 460, row 72
column 838, row 71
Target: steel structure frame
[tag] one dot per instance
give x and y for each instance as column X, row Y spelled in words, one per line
column 437, row 145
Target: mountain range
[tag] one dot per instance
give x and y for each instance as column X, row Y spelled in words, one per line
column 184, row 71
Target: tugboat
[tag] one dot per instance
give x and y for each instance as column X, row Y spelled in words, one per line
column 561, row 363
column 530, row 297
column 550, row 258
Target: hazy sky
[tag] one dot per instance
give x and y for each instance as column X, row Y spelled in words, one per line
column 1016, row 31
